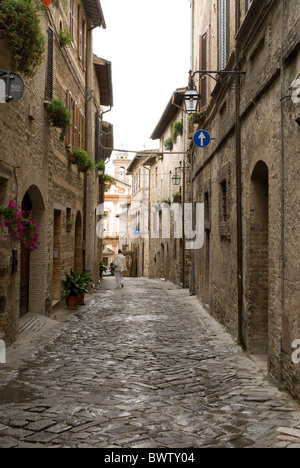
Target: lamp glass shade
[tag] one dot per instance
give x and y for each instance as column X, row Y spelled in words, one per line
column 176, row 179
column 191, row 98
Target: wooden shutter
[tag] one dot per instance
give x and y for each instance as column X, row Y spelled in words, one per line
column 203, row 66
column 222, row 34
column 49, row 70
column 72, row 18
column 69, row 103
column 79, row 33
column 84, row 44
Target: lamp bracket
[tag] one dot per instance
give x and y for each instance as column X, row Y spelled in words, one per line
column 217, row 75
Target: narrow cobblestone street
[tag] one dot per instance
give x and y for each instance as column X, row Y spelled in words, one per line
column 143, row 367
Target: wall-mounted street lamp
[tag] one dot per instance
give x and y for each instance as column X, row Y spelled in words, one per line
column 191, row 99
column 176, row 179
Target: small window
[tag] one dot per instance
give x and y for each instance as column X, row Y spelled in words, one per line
column 122, row 173
column 224, row 201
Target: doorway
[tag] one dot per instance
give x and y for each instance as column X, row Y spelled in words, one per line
column 78, row 261
column 25, row 266
column 259, row 261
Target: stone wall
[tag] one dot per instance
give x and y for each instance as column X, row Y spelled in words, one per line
column 34, row 162
column 269, row 139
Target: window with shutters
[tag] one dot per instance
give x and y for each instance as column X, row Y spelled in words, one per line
column 203, row 66
column 71, row 17
column 223, row 34
column 49, row 69
column 79, row 33
column 70, row 109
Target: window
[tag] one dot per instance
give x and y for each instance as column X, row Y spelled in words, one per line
column 49, row 69
column 71, row 15
column 79, row 33
column 224, row 200
column 223, row 34
column 203, row 66
column 122, row 173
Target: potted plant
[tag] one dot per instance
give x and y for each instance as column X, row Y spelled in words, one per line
column 20, row 26
column 80, row 157
column 103, row 269
column 65, row 39
column 196, row 118
column 59, row 116
column 71, row 287
column 166, row 201
column 85, row 281
column 100, row 168
column 177, row 130
column 19, row 225
column 168, row 144
column 177, row 197
column 69, row 225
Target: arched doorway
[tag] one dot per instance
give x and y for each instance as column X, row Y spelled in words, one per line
column 25, row 266
column 259, row 261
column 78, row 260
column 32, row 264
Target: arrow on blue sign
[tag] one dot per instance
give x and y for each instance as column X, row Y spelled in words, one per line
column 202, row 138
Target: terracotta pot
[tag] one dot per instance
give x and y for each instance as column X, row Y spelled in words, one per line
column 72, row 159
column 72, row 302
column 80, row 299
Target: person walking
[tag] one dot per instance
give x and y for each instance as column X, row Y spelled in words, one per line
column 120, row 267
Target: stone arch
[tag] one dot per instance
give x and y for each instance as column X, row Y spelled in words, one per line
column 258, row 320
column 78, row 257
column 33, row 264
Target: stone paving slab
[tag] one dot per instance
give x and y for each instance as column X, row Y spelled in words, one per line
column 142, row 367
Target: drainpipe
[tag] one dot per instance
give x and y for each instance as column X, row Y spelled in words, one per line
column 239, row 198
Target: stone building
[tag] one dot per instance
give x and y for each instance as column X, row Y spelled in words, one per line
column 247, row 272
column 168, row 257
column 34, row 164
column 138, row 212
column 116, row 200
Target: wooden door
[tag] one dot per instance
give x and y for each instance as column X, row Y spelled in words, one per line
column 25, row 267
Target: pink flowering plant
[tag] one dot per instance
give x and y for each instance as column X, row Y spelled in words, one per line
column 19, row 225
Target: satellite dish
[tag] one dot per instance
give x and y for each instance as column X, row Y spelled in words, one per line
column 11, row 87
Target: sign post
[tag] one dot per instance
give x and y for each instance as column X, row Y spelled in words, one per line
column 11, row 87
column 202, row 138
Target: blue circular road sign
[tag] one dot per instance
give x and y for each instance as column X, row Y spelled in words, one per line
column 202, row 138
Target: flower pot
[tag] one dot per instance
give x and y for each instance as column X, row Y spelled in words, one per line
column 72, row 159
column 72, row 302
column 83, row 169
column 80, row 299
column 177, row 199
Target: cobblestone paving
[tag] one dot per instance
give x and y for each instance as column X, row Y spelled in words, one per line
column 143, row 367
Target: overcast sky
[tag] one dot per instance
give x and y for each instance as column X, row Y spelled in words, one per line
column 148, row 43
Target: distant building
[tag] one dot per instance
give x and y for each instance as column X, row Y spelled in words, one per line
column 116, row 200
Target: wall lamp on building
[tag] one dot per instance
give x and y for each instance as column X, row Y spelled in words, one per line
column 176, row 179
column 192, row 97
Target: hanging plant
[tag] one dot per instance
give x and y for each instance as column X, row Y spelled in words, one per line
column 169, row 144
column 19, row 225
column 177, row 130
column 82, row 159
column 65, row 38
column 59, row 116
column 20, row 26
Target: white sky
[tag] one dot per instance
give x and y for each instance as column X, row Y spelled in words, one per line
column 148, row 43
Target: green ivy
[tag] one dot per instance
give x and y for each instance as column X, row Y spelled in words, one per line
column 20, row 26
